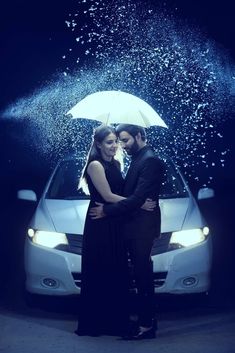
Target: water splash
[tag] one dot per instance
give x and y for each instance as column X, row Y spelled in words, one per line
column 147, row 52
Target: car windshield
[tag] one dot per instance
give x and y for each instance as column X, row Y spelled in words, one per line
column 173, row 185
column 65, row 182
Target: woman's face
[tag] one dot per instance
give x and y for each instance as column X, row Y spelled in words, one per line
column 108, row 147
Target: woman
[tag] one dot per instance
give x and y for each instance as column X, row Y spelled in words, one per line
column 104, row 259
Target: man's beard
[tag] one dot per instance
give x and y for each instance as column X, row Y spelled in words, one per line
column 133, row 149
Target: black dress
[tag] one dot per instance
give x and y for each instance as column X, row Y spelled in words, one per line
column 104, row 267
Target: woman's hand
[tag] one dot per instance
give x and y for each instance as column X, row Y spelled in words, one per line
column 149, row 205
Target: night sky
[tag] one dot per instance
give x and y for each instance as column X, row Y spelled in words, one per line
column 34, row 37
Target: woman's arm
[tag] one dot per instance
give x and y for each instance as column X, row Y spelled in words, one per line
column 97, row 175
column 96, row 172
column 149, row 179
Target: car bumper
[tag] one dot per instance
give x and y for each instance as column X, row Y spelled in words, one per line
column 185, row 270
column 45, row 267
column 55, row 272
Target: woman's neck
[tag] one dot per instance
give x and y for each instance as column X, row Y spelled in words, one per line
column 106, row 158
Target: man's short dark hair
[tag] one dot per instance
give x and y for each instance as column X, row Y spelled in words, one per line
column 133, row 130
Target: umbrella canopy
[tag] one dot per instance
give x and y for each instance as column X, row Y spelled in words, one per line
column 116, row 107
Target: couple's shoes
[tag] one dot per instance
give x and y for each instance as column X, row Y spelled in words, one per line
column 139, row 334
column 134, row 332
column 83, row 332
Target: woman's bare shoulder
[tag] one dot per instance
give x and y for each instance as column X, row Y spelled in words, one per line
column 94, row 165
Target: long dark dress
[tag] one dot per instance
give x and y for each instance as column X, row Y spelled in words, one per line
column 104, row 267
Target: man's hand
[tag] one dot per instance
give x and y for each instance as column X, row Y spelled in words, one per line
column 149, row 205
column 97, row 212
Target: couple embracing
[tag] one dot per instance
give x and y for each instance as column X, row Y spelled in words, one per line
column 122, row 221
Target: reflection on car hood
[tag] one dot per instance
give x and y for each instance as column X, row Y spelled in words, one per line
column 173, row 212
column 68, row 216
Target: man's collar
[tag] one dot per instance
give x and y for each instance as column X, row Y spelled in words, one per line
column 139, row 152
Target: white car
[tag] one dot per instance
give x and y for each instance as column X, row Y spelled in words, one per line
column 181, row 256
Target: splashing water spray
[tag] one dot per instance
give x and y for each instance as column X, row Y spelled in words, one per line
column 145, row 51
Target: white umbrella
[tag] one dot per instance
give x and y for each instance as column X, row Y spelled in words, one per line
column 116, row 107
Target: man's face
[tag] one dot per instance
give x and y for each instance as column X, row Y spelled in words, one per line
column 128, row 143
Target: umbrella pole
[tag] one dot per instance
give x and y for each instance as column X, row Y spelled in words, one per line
column 107, row 119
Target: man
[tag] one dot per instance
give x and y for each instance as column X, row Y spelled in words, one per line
column 143, row 180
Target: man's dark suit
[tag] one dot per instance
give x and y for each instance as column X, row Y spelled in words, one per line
column 143, row 180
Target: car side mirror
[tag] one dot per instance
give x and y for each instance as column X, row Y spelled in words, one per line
column 28, row 195
column 205, row 193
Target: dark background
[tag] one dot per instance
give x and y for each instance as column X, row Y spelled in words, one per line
column 33, row 38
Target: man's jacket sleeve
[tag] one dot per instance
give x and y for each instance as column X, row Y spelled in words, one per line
column 150, row 176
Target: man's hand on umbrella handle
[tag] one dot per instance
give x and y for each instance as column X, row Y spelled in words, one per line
column 149, row 205
column 97, row 212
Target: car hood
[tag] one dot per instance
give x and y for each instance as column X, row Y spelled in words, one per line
column 68, row 216
column 173, row 212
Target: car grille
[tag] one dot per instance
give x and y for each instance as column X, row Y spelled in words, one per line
column 74, row 244
column 77, row 278
column 160, row 245
column 159, row 279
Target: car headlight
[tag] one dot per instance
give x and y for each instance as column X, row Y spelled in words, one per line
column 188, row 237
column 48, row 239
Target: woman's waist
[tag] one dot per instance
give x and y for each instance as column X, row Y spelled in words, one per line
column 93, row 202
